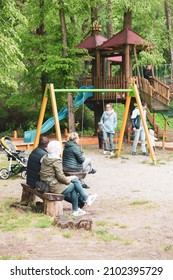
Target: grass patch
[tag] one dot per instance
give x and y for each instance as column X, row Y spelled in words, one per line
column 167, row 247
column 43, row 222
column 139, row 202
column 106, row 236
column 101, row 223
column 12, row 221
column 68, row 234
column 12, row 258
column 147, row 227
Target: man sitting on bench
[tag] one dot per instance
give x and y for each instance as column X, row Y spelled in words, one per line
column 34, row 162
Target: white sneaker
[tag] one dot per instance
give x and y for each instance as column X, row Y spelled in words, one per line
column 111, row 153
column 78, row 213
column 104, row 152
column 91, row 199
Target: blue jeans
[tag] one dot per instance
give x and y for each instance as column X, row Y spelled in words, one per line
column 74, row 190
column 139, row 134
column 110, row 136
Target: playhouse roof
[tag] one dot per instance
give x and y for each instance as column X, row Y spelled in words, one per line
column 116, row 59
column 126, row 36
column 92, row 42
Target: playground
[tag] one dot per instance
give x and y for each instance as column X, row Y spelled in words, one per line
column 132, row 216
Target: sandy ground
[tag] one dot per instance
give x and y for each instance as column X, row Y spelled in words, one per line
column 132, row 216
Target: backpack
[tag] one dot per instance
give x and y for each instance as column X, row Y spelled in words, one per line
column 42, row 187
column 136, row 122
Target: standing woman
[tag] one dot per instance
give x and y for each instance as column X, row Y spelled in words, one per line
column 109, row 123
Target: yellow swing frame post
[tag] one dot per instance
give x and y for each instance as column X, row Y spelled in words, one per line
column 134, row 93
column 49, row 89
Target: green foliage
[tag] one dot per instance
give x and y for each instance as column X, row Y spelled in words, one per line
column 31, row 51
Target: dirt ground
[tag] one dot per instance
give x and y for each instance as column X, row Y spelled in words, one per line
column 132, row 216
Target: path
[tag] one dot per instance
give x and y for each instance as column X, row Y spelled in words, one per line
column 132, row 217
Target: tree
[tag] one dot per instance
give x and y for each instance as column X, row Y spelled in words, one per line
column 11, row 64
column 169, row 27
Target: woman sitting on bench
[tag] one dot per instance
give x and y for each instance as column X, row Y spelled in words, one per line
column 52, row 173
column 73, row 159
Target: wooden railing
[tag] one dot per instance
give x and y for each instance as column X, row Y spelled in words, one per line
column 116, row 82
column 151, row 92
column 154, row 90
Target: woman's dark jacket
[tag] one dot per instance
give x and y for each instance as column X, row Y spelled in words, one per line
column 72, row 156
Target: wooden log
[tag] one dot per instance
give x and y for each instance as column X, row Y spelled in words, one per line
column 79, row 223
column 27, row 196
column 53, row 208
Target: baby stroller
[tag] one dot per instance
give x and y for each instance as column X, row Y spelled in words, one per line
column 13, row 155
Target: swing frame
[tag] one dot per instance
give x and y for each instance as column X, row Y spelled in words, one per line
column 131, row 92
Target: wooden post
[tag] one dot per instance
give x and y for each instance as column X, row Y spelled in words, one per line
column 66, row 133
column 55, row 113
column 163, row 140
column 15, row 134
column 127, row 64
column 137, row 66
column 98, row 67
column 53, row 208
column 124, row 121
column 41, row 117
column 71, row 119
column 138, row 100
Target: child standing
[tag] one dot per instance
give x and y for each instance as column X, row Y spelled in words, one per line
column 100, row 135
column 152, row 138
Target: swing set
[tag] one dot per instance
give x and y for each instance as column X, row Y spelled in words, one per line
column 131, row 92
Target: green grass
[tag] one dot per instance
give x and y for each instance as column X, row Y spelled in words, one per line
column 68, row 234
column 168, row 247
column 101, row 223
column 12, row 221
column 12, row 258
column 139, row 202
column 106, row 236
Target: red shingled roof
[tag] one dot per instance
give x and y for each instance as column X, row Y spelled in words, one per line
column 126, row 36
column 91, row 42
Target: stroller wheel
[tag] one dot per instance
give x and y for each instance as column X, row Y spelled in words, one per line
column 23, row 174
column 4, row 173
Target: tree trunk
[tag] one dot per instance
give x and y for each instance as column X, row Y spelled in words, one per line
column 127, row 20
column 71, row 119
column 63, row 30
column 109, row 19
column 127, row 55
column 169, row 28
column 94, row 14
column 41, row 31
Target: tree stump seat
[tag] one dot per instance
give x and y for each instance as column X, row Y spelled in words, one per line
column 53, row 203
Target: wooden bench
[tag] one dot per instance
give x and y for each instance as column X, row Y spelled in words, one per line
column 80, row 174
column 53, row 203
